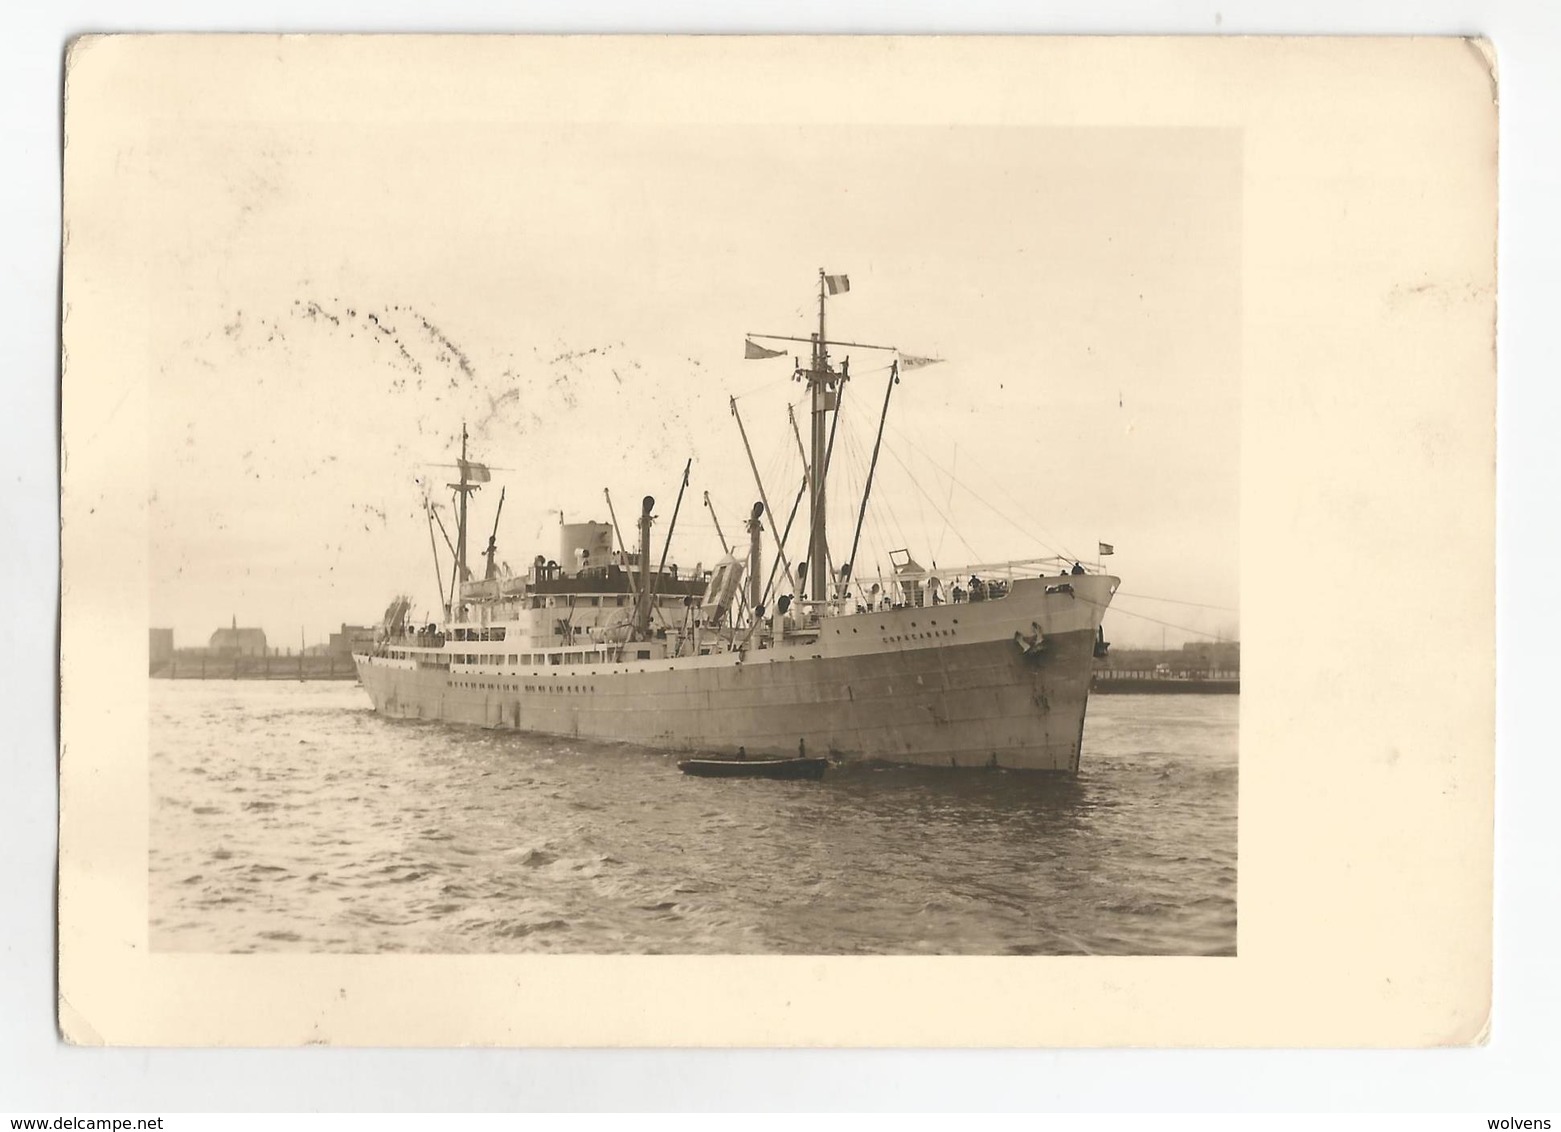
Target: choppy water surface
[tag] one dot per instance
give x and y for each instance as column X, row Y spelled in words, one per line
column 288, row 816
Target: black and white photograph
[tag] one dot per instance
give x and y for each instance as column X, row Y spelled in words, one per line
column 695, row 539
column 628, row 499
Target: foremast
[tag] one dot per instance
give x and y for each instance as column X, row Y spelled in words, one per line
column 826, row 385
column 471, row 479
column 824, row 388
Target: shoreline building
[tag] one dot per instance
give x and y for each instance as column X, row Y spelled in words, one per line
column 351, row 639
column 235, row 641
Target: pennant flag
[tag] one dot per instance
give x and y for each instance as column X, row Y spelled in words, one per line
column 752, row 350
column 837, row 283
column 911, row 361
column 1106, row 548
column 473, row 472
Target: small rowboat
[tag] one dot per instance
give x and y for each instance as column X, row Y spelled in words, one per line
column 755, row 768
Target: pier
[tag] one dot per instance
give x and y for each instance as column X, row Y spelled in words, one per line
column 235, row 653
column 1198, row 668
column 1125, row 681
column 325, row 667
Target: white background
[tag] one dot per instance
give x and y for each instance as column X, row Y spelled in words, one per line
column 38, row 1074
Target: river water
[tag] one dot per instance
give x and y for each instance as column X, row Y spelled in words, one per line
column 287, row 816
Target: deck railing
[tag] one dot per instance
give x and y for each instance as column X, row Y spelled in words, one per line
column 956, row 585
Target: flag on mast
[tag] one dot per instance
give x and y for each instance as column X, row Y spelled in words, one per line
column 1106, row 548
column 752, row 350
column 837, row 283
column 911, row 361
column 473, row 472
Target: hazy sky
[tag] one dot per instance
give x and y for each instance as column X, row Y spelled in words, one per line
column 340, row 297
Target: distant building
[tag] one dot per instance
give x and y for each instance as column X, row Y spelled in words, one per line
column 1224, row 655
column 1196, row 656
column 160, row 649
column 351, row 639
column 238, row 642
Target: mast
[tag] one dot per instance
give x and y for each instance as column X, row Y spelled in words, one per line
column 642, row 614
column 819, row 382
column 468, row 484
column 829, row 455
column 460, row 529
column 824, row 387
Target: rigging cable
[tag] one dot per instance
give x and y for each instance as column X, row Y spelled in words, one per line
column 1178, row 601
column 949, row 503
column 932, row 501
column 1145, row 617
column 1064, row 551
column 760, row 388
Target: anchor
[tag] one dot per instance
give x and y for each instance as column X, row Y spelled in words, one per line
column 1033, row 645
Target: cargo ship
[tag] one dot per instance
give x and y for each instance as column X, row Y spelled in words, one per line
column 981, row 665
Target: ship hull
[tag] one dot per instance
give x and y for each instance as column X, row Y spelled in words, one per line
column 948, row 686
